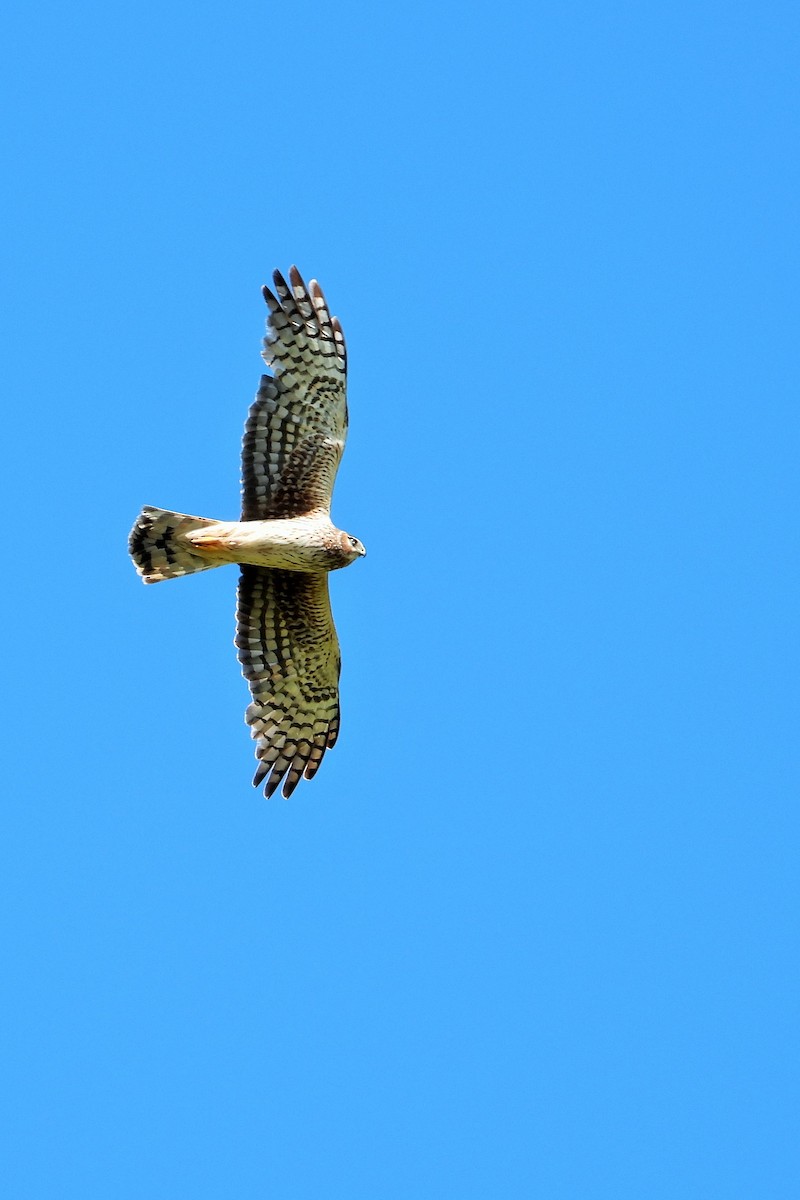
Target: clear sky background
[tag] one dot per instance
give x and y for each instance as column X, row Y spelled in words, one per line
column 532, row 930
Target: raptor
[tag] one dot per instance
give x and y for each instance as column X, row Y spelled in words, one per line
column 285, row 541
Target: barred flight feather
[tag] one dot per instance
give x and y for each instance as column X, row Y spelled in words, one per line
column 296, row 428
column 290, row 655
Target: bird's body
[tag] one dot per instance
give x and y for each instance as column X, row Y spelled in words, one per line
column 285, row 541
column 308, row 543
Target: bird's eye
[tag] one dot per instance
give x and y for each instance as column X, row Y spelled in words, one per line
column 353, row 541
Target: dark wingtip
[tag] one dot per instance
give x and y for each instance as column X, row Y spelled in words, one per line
column 298, row 284
column 289, row 784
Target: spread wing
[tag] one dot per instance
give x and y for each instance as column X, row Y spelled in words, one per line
column 290, row 656
column 296, row 429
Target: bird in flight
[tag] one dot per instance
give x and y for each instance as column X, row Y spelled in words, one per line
column 285, row 541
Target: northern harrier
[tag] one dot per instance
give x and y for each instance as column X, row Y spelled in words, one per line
column 285, row 541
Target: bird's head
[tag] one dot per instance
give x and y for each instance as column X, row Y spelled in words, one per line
column 352, row 547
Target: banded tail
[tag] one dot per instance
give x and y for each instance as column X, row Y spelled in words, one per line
column 160, row 549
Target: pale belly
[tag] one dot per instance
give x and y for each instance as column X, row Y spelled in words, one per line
column 297, row 544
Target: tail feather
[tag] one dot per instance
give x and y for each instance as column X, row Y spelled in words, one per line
column 159, row 547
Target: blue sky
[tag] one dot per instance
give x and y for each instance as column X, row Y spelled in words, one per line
column 532, row 930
